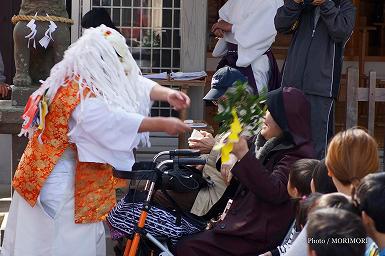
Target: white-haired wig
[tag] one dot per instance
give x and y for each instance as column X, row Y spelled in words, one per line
column 101, row 61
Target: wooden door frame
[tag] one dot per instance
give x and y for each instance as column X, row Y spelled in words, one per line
column 194, row 18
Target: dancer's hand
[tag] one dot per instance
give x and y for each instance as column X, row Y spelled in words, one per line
column 178, row 100
column 174, row 126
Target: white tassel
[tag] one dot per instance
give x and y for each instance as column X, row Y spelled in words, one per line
column 48, row 34
column 31, row 36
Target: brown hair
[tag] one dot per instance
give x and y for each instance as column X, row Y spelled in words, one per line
column 351, row 155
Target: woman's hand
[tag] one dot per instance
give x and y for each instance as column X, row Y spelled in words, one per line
column 199, row 167
column 222, row 25
column 204, row 145
column 226, row 168
column 178, row 100
column 240, row 148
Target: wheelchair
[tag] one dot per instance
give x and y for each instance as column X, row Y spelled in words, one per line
column 155, row 174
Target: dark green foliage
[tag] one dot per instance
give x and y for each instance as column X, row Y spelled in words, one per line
column 249, row 108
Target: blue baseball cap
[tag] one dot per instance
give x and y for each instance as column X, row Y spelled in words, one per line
column 222, row 80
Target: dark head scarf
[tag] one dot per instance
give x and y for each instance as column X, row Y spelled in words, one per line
column 291, row 111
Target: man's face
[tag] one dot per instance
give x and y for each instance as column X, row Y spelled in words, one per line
column 218, row 103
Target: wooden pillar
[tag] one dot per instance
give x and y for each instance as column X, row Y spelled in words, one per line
column 193, row 47
column 372, row 102
column 79, row 8
column 351, row 98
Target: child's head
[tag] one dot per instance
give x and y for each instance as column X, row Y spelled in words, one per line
column 351, row 155
column 305, row 206
column 321, row 182
column 300, row 177
column 336, row 200
column 334, row 231
column 370, row 195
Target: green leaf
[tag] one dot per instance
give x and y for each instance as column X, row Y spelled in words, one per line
column 247, row 105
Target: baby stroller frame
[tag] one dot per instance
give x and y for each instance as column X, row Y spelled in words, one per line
column 152, row 172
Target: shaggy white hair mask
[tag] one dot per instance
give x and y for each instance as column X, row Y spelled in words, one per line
column 101, row 61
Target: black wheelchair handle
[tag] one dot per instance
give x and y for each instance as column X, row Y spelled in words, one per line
column 190, row 161
column 176, row 153
column 184, row 152
column 151, row 175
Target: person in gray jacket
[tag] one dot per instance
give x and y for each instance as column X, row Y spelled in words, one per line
column 321, row 29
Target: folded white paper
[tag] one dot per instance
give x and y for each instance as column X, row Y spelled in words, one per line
column 188, row 75
column 196, row 135
column 162, row 76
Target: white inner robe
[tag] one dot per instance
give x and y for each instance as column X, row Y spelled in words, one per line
column 102, row 135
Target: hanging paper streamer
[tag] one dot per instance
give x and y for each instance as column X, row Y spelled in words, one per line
column 31, row 36
column 43, row 111
column 34, row 115
column 48, row 34
column 30, row 116
column 235, row 130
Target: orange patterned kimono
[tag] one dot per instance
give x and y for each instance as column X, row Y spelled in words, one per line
column 94, row 183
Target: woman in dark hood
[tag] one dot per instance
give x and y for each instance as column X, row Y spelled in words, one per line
column 261, row 211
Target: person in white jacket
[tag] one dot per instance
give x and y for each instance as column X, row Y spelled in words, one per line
column 246, row 31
